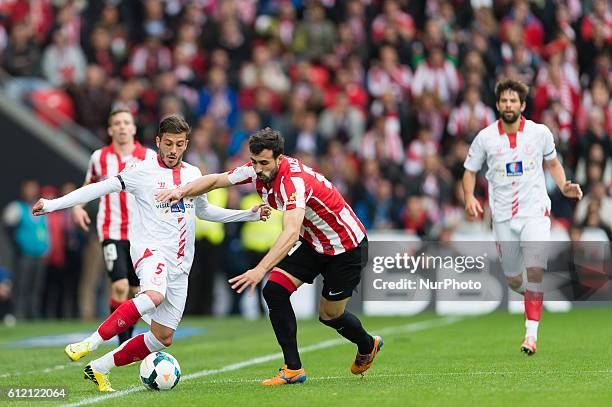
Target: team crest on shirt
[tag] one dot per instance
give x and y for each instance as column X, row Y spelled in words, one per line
column 293, row 198
column 514, row 169
column 528, row 148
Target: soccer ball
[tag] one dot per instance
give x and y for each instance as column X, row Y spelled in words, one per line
column 160, row 371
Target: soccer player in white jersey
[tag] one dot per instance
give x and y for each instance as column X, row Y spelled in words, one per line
column 162, row 246
column 115, row 210
column 321, row 235
column 514, row 149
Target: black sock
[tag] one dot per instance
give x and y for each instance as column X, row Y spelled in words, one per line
column 283, row 321
column 349, row 326
column 125, row 335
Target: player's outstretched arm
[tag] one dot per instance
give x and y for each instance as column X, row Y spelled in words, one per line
column 198, row 186
column 568, row 188
column 78, row 196
column 472, row 206
column 292, row 223
column 215, row 213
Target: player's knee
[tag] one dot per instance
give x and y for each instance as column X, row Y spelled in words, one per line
column 120, row 289
column 165, row 340
column 514, row 282
column 535, row 274
column 327, row 314
column 155, row 296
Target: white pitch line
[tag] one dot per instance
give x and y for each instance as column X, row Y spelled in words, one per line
column 45, row 370
column 412, row 327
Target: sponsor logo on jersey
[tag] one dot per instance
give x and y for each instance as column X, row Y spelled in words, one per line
column 514, row 169
column 178, row 207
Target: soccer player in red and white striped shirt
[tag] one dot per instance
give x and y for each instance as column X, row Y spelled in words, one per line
column 321, row 235
column 114, row 212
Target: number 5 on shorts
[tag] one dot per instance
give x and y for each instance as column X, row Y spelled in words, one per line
column 160, row 268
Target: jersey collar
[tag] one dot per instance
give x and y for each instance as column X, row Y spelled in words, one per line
column 161, row 163
column 502, row 132
column 138, row 149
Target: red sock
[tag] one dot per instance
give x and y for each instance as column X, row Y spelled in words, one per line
column 124, row 317
column 533, row 305
column 133, row 350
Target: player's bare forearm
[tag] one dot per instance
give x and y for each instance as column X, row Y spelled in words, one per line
column 567, row 188
column 472, row 206
column 292, row 223
column 469, row 183
column 557, row 172
column 279, row 249
column 206, row 183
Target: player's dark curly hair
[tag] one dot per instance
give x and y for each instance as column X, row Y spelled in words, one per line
column 267, row 139
column 513, row 85
column 173, row 124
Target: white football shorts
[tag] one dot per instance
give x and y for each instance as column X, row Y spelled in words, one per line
column 522, row 243
column 153, row 275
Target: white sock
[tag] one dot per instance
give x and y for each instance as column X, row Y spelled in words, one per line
column 152, row 342
column 144, row 304
column 94, row 340
column 535, row 287
column 531, row 328
column 105, row 363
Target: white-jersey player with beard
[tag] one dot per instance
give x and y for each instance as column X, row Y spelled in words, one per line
column 162, row 248
column 514, row 149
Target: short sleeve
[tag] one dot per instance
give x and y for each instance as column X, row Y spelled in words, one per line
column 549, row 151
column 244, row 174
column 293, row 191
column 476, row 155
column 92, row 175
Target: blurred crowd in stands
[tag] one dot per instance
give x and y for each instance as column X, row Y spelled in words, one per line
column 381, row 96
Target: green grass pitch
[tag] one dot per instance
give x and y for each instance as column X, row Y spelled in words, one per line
column 427, row 360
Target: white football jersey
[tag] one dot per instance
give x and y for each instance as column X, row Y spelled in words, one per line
column 515, row 173
column 157, row 225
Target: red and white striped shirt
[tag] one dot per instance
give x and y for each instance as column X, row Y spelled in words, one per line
column 459, row 119
column 114, row 210
column 330, row 225
column 444, row 81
